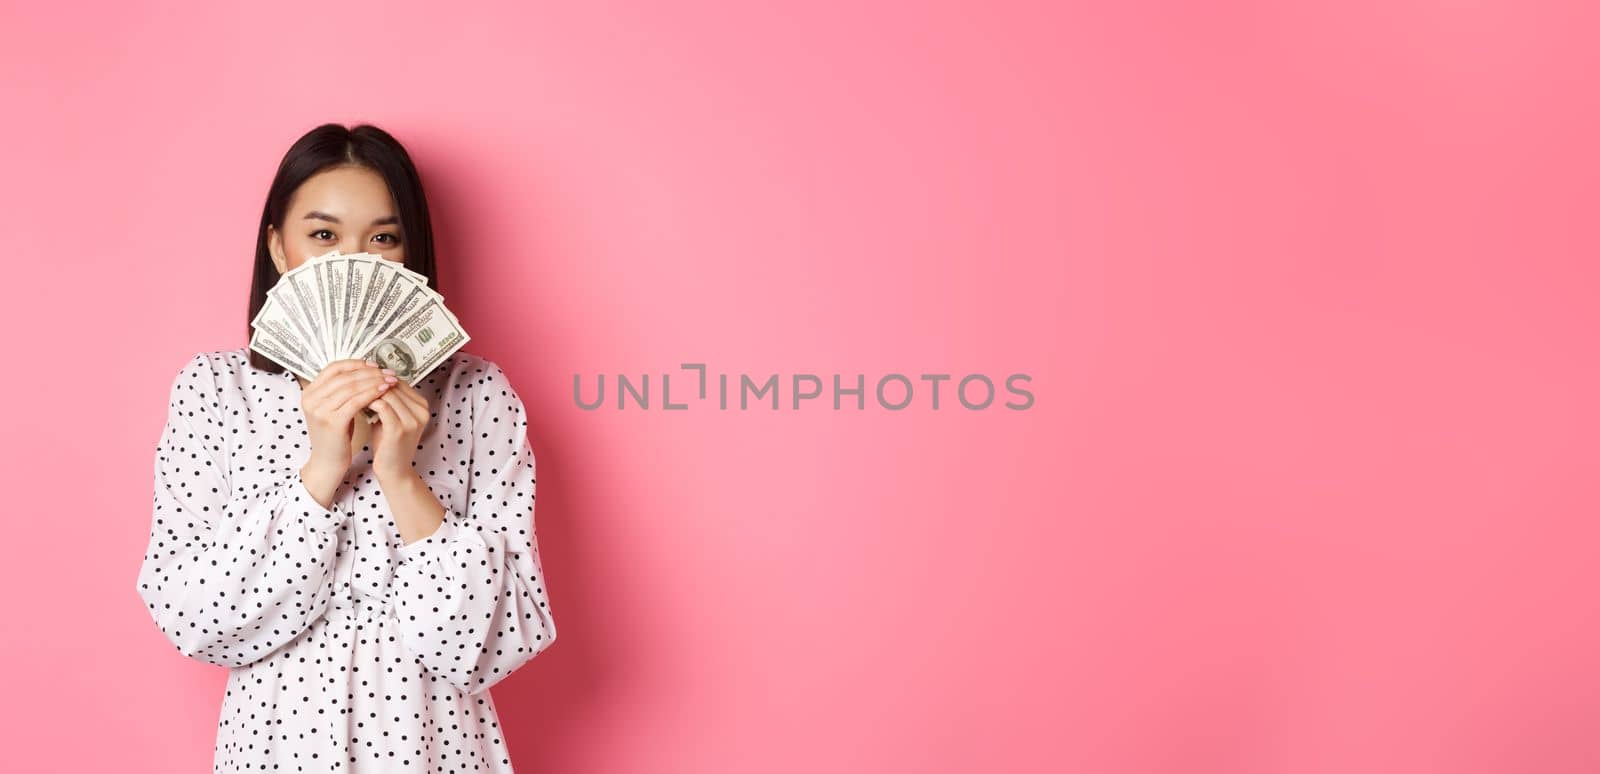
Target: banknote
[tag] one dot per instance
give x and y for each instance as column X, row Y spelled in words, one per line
column 360, row 305
column 267, row 343
column 418, row 343
column 297, row 291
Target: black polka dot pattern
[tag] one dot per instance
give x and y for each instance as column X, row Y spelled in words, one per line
column 348, row 650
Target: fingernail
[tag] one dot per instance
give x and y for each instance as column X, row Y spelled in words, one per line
column 389, row 371
column 371, row 362
column 383, row 387
column 390, row 379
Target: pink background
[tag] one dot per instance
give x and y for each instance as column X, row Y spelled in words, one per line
column 1306, row 294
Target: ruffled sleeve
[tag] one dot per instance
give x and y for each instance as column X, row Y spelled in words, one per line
column 470, row 599
column 229, row 577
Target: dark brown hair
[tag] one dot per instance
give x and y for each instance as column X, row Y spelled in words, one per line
column 325, row 147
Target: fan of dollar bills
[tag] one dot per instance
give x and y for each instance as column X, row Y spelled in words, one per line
column 335, row 307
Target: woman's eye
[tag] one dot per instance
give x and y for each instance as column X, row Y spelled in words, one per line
column 322, row 231
column 393, row 240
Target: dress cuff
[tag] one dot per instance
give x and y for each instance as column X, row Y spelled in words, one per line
column 431, row 546
column 319, row 517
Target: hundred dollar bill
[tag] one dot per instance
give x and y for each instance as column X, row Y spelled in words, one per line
column 419, row 342
column 355, row 269
column 274, row 319
column 338, row 268
column 281, row 304
column 298, row 292
column 319, row 272
column 417, row 277
column 358, row 277
column 265, row 342
column 365, row 276
column 318, row 269
column 379, row 285
column 397, row 294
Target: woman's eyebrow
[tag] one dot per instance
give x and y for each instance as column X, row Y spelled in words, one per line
column 316, row 215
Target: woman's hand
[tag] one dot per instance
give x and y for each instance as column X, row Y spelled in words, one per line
column 330, row 402
column 402, row 416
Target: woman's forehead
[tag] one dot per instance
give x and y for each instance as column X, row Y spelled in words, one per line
column 344, row 195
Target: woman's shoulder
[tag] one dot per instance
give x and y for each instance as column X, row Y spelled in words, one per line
column 205, row 364
column 217, row 369
column 230, row 359
column 469, row 373
column 218, row 363
column 465, row 368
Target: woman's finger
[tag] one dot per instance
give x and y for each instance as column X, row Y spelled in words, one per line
column 386, row 415
column 409, row 402
column 405, row 412
column 335, row 369
column 415, row 401
column 351, row 384
column 338, row 386
column 355, row 399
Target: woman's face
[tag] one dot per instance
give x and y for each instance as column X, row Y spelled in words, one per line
column 342, row 208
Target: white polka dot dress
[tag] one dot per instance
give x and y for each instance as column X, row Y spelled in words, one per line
column 348, row 650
